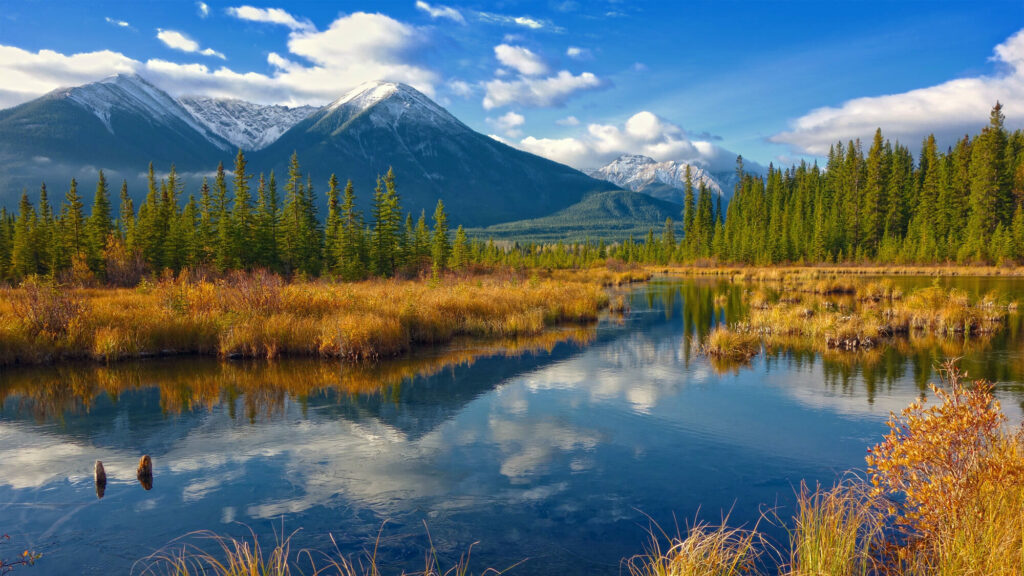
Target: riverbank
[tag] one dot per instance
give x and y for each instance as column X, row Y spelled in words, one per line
column 258, row 315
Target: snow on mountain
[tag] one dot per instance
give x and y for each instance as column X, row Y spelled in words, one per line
column 664, row 180
column 390, row 103
column 132, row 94
column 245, row 125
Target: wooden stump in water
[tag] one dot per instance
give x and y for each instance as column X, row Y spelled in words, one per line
column 145, row 472
column 101, row 479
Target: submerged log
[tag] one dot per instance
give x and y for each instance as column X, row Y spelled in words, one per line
column 145, row 472
column 100, row 475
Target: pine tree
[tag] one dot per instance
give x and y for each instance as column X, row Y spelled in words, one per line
column 24, row 257
column 460, row 250
column 222, row 222
column 72, row 223
column 126, row 216
column 266, row 224
column 440, row 247
column 99, row 226
column 990, row 192
column 351, row 260
column 241, row 216
column 332, row 228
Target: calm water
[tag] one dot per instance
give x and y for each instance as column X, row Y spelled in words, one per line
column 558, row 450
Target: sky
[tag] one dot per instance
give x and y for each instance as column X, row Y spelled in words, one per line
column 580, row 82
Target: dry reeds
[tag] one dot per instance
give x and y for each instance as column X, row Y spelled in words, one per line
column 257, row 315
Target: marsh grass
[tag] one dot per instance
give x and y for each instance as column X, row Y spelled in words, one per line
column 258, row 315
column 836, row 531
column 705, row 550
column 727, row 344
column 207, row 553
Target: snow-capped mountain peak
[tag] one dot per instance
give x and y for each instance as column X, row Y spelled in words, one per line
column 245, row 125
column 388, row 103
column 665, row 180
column 132, row 93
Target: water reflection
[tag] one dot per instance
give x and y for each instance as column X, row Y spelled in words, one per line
column 555, row 448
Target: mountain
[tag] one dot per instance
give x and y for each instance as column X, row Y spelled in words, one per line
column 245, row 125
column 610, row 215
column 120, row 123
column 435, row 156
column 664, row 180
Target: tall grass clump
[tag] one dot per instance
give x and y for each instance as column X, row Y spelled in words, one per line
column 836, row 532
column 706, row 550
column 729, row 344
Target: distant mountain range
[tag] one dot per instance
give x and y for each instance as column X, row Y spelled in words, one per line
column 663, row 180
column 122, row 123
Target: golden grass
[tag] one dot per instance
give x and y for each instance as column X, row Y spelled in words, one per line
column 706, row 550
column 728, row 344
column 256, row 315
column 207, row 553
column 836, row 532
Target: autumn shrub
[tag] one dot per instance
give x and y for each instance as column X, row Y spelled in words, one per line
column 45, row 309
column 951, row 468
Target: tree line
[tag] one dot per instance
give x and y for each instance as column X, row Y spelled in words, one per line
column 964, row 204
column 230, row 226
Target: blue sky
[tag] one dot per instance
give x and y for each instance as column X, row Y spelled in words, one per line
column 580, row 82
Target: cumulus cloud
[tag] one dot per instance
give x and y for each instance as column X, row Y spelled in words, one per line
column 203, row 9
column 538, row 92
column 270, row 16
column 178, row 41
column 523, row 60
column 355, row 49
column 460, row 88
column 577, row 53
column 643, row 133
column 950, row 109
column 508, row 123
column 118, row 23
column 568, row 121
column 437, row 11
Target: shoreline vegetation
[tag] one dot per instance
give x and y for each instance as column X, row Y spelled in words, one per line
column 943, row 495
column 259, row 315
column 832, row 313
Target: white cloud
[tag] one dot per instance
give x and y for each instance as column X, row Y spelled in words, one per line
column 438, row 11
column 643, row 133
column 523, row 60
column 356, row 48
column 178, row 41
column 270, row 16
column 577, row 53
column 203, row 8
column 118, row 23
column 524, row 21
column 568, row 121
column 538, row 92
column 461, row 88
column 508, row 123
column 949, row 110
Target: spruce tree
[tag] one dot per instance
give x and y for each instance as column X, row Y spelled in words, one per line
column 440, row 246
column 99, row 226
